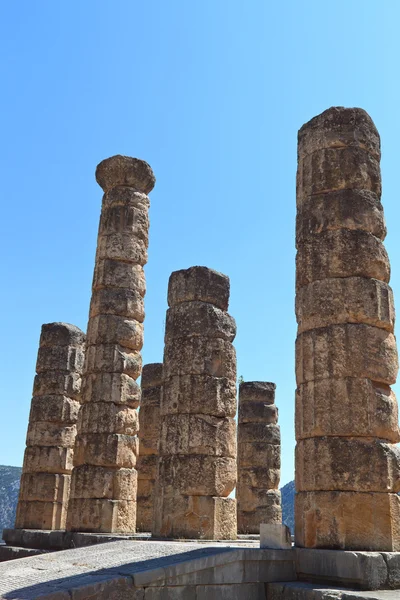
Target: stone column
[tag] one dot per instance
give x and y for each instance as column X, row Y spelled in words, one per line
column 197, row 466
column 259, row 457
column 347, row 466
column 104, row 479
column 46, row 472
column 149, row 436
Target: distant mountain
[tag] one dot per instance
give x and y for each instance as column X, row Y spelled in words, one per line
column 9, row 487
column 288, row 505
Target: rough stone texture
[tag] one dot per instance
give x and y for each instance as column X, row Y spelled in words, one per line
column 347, row 468
column 259, row 457
column 104, row 479
column 196, row 470
column 149, row 437
column 45, row 481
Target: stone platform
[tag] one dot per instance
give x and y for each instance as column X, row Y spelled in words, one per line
column 310, row 591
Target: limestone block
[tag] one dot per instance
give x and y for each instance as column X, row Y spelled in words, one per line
column 106, row 450
column 125, row 171
column 147, row 466
column 250, row 521
column 112, row 329
column 113, row 358
column 145, row 488
column 125, row 197
column 256, row 412
column 54, row 409
column 60, row 358
column 346, row 407
column 259, row 432
column 152, row 375
column 200, row 517
column 344, row 209
column 341, row 253
column 199, row 319
column 129, row 216
column 266, row 477
column 50, row 434
column 250, row 499
column 198, row 434
column 52, row 383
column 345, row 300
column 107, row 417
column 274, row 535
column 257, row 391
column 199, row 356
column 149, row 434
column 41, row 515
column 348, row 520
column 99, row 482
column 339, row 127
column 259, row 454
column 347, row 464
column 332, row 169
column 48, row 459
column 348, row 350
column 44, row 487
column 117, row 274
column 124, row 247
column 151, row 397
column 61, row 334
column 198, row 475
column 117, row 301
column 199, row 394
column 199, row 283
column 144, row 516
column 117, row 388
column 101, row 515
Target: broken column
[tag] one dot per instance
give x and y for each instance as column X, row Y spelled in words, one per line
column 347, row 466
column 149, row 436
column 197, row 466
column 104, row 479
column 259, row 457
column 46, row 472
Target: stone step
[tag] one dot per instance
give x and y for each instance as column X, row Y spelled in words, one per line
column 12, row 552
column 297, row 590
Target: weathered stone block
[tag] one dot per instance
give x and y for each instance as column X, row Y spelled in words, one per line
column 250, row 499
column 346, row 351
column 147, row 466
column 117, row 301
column 256, row 412
column 199, row 319
column 198, row 475
column 259, row 432
column 126, row 197
column 151, row 397
column 125, row 171
column 61, row 334
column 275, row 536
column 346, row 407
column 54, row 409
column 117, row 388
column 41, row 515
column 99, row 482
column 200, row 517
column 128, row 216
column 50, row 434
column 107, row 417
column 257, row 391
column 266, row 477
column 345, row 300
column 250, row 521
column 123, row 247
column 152, row 375
column 347, row 464
column 198, row 434
column 52, row 383
column 145, row 487
column 48, row 459
column 149, row 434
column 117, row 274
column 44, row 487
column 348, row 520
column 332, row 169
column 199, row 394
column 106, row 450
column 199, row 356
column 101, row 515
column 341, row 253
column 113, row 358
column 344, row 209
column 60, row 358
column 199, row 283
column 112, row 329
column 259, row 454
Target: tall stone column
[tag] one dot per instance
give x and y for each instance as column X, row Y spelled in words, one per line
column 46, row 472
column 104, row 479
column 259, row 457
column 347, row 466
column 149, row 437
column 197, row 466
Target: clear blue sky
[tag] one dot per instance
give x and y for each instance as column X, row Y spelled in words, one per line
column 211, row 94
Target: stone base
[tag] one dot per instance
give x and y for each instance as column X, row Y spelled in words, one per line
column 13, row 552
column 275, row 536
column 62, row 540
column 308, row 591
